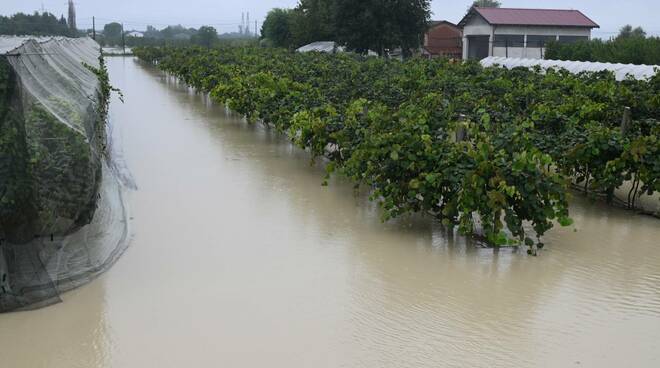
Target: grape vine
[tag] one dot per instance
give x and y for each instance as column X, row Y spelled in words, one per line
column 489, row 150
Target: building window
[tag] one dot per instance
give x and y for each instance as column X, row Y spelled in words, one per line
column 539, row 41
column 572, row 39
column 509, row 41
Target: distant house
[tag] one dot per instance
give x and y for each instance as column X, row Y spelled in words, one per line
column 520, row 33
column 136, row 34
column 443, row 39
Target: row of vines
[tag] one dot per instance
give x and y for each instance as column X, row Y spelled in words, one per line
column 489, row 150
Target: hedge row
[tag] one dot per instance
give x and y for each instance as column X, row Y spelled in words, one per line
column 489, row 150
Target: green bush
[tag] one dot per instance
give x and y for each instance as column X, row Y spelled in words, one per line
column 628, row 50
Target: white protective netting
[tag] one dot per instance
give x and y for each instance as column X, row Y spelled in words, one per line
column 322, row 46
column 621, row 71
column 63, row 219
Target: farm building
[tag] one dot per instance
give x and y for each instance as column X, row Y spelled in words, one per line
column 443, row 39
column 520, row 33
column 136, row 34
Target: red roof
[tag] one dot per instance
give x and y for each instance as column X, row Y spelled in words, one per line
column 533, row 17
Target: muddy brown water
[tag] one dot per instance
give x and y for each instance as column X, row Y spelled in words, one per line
column 240, row 258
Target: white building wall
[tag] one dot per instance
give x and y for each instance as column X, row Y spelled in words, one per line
column 530, row 52
column 477, row 27
column 533, row 53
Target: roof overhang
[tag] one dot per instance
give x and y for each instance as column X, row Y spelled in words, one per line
column 470, row 14
column 474, row 12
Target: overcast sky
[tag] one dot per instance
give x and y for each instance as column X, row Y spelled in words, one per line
column 226, row 15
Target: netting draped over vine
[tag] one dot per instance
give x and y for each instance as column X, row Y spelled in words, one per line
column 621, row 71
column 62, row 215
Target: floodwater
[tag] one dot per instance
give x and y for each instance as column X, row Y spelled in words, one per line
column 240, row 258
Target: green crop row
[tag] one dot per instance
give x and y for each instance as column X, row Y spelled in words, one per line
column 490, row 150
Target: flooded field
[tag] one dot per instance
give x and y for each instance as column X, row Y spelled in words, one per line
column 240, row 258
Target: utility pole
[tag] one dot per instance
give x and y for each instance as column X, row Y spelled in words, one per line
column 123, row 41
column 256, row 34
column 94, row 28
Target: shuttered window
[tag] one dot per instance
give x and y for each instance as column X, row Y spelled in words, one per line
column 539, row 41
column 509, row 41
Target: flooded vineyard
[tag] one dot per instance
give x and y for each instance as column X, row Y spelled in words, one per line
column 240, row 257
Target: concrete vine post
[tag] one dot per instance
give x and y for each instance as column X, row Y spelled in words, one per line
column 461, row 130
column 626, row 121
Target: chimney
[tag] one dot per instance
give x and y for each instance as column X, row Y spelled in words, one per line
column 72, row 16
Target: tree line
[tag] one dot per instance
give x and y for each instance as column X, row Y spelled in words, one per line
column 175, row 35
column 37, row 24
column 376, row 25
column 47, row 24
column 367, row 25
column 631, row 46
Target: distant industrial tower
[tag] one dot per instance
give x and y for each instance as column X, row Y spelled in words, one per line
column 244, row 28
column 72, row 16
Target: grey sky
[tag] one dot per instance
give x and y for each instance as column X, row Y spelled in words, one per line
column 226, row 15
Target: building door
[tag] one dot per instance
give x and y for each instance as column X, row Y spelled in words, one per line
column 478, row 47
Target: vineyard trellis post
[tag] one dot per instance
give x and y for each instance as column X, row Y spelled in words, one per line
column 626, row 121
column 461, row 129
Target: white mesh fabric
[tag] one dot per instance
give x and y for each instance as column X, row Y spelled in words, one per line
column 621, row 71
column 52, row 72
column 80, row 223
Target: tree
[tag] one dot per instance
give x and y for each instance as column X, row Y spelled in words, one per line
column 277, row 27
column 487, row 3
column 381, row 24
column 177, row 32
column 628, row 31
column 206, row 36
column 312, row 20
column 361, row 26
column 152, row 32
column 413, row 20
column 112, row 32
